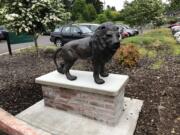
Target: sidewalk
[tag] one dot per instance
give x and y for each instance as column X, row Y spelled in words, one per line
column 42, row 40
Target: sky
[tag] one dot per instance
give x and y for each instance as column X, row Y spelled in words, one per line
column 117, row 3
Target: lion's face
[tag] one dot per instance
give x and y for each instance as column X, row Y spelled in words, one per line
column 110, row 35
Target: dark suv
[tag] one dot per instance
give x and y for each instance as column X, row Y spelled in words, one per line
column 67, row 33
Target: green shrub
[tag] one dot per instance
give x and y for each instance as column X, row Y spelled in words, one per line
column 128, row 56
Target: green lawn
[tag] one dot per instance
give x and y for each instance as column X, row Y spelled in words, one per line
column 155, row 44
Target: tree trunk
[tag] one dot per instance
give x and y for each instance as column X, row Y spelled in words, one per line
column 35, row 36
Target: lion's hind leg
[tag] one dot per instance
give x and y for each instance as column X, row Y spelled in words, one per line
column 60, row 68
column 67, row 67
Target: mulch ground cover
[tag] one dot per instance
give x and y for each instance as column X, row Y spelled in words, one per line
column 160, row 89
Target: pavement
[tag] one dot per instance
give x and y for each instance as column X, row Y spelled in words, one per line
column 42, row 41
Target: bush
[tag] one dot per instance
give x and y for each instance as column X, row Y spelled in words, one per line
column 128, row 55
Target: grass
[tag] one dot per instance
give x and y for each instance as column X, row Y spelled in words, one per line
column 48, row 49
column 155, row 43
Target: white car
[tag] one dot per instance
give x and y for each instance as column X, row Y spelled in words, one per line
column 177, row 34
column 175, row 27
column 178, row 39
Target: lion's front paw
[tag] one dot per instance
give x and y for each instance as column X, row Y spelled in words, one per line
column 71, row 77
column 99, row 81
column 105, row 74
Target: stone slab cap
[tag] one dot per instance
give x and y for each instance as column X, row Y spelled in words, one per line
column 85, row 82
column 13, row 126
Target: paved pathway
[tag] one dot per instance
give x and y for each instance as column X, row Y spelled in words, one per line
column 42, row 40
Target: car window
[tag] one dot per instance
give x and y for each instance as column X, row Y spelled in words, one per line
column 75, row 30
column 84, row 29
column 57, row 30
column 94, row 27
column 66, row 30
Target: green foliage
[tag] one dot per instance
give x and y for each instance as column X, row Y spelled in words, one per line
column 141, row 12
column 174, row 5
column 33, row 17
column 108, row 15
column 77, row 11
column 98, row 5
column 89, row 13
column 128, row 55
column 101, row 18
column 67, row 4
column 154, row 43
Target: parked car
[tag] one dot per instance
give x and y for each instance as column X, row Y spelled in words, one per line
column 177, row 34
column 91, row 26
column 175, row 24
column 67, row 33
column 127, row 31
column 122, row 32
column 2, row 31
column 135, row 31
column 178, row 39
column 175, row 29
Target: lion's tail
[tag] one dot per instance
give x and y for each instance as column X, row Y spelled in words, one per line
column 59, row 68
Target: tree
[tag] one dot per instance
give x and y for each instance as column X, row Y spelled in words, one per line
column 78, row 9
column 111, row 15
column 89, row 13
column 174, row 5
column 98, row 5
column 141, row 12
column 101, row 18
column 68, row 4
column 34, row 17
column 82, row 11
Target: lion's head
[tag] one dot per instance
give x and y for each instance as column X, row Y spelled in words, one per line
column 107, row 36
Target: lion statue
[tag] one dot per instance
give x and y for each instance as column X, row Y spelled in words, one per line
column 100, row 48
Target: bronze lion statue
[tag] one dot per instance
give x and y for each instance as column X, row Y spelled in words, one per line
column 100, row 47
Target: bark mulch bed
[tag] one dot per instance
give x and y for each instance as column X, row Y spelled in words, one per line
column 160, row 89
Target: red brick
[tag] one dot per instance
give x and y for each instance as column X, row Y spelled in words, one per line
column 12, row 126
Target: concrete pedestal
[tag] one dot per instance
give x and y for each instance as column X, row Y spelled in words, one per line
column 67, row 102
column 83, row 96
column 57, row 122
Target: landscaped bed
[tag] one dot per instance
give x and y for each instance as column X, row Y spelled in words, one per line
column 159, row 87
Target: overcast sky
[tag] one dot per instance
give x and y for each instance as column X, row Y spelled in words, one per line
column 118, row 3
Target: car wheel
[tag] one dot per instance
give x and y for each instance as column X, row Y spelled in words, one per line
column 58, row 42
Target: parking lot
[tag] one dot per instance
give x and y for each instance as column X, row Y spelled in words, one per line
column 42, row 41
